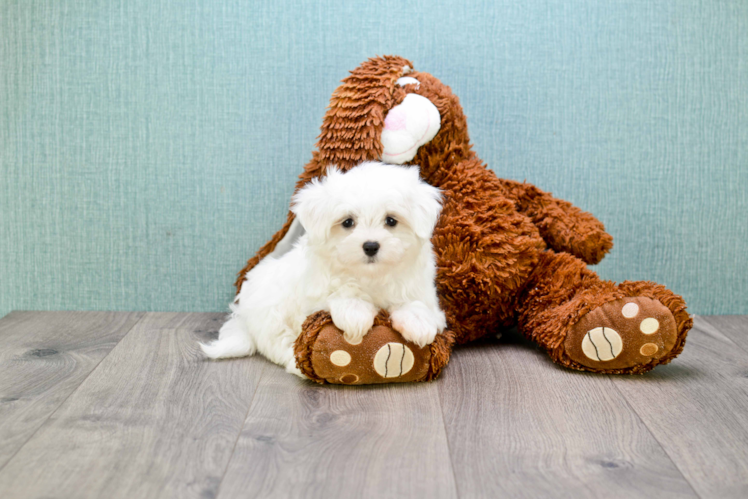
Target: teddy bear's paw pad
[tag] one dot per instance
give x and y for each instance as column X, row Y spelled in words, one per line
column 602, row 344
column 340, row 358
column 622, row 334
column 382, row 356
column 393, row 360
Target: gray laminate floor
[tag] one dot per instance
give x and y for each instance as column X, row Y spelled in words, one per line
column 105, row 404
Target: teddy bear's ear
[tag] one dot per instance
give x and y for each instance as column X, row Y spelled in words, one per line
column 354, row 120
column 408, row 126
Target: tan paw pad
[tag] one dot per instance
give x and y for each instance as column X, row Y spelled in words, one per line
column 602, row 344
column 340, row 358
column 630, row 310
column 649, row 326
column 393, row 360
column 349, row 378
column 649, row 349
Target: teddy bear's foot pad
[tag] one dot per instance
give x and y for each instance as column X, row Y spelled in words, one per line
column 622, row 334
column 382, row 356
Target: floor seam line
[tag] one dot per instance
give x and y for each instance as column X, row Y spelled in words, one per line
column 71, row 393
column 446, row 438
column 241, row 429
column 651, row 433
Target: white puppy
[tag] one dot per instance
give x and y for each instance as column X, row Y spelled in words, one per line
column 366, row 246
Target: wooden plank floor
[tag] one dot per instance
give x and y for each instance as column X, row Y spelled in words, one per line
column 96, row 404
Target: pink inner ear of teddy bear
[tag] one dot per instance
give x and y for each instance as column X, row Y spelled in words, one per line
column 395, row 120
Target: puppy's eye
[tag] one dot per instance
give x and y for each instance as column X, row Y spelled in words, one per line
column 348, row 223
column 390, row 221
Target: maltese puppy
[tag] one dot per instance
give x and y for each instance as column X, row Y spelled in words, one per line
column 363, row 243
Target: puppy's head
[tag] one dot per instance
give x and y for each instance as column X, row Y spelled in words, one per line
column 371, row 217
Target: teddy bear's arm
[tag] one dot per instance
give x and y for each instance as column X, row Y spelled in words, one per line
column 564, row 227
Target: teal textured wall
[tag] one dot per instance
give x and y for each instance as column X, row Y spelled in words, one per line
column 148, row 148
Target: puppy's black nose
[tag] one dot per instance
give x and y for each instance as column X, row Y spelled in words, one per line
column 371, row 248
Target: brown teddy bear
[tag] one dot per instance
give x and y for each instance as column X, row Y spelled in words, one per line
column 507, row 253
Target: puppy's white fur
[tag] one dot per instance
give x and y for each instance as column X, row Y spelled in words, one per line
column 327, row 268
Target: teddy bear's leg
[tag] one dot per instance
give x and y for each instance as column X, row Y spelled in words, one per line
column 589, row 324
column 382, row 356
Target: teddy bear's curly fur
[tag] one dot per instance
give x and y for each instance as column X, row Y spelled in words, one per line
column 507, row 252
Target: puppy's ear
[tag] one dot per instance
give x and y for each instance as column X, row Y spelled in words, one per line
column 312, row 205
column 425, row 201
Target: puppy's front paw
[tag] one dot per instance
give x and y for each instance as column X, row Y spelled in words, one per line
column 354, row 316
column 417, row 323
